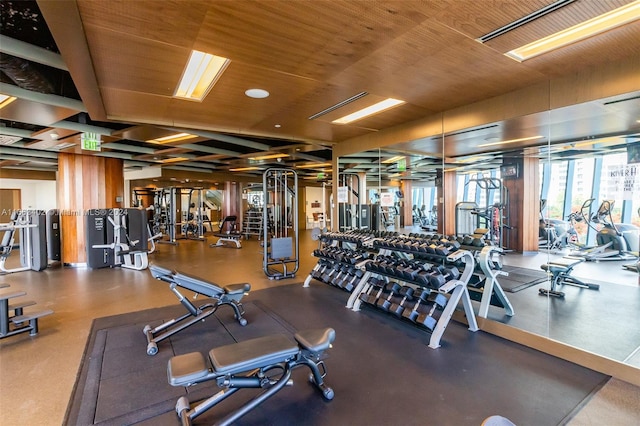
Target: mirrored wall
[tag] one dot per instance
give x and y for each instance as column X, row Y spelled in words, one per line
column 548, row 189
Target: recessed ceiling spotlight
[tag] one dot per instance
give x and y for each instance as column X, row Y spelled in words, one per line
column 256, row 93
column 277, row 126
column 54, row 136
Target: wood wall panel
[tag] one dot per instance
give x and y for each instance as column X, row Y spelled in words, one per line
column 85, row 182
column 524, row 191
column 446, row 202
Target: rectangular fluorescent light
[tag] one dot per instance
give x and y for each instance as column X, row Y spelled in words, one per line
column 612, row 19
column 199, row 75
column 370, row 110
column 512, row 141
column 313, row 166
column 393, row 159
column 173, row 160
column 6, row 100
column 244, row 169
column 268, row 157
column 173, row 138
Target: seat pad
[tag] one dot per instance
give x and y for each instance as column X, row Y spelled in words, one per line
column 185, row 369
column 237, row 288
column 251, row 354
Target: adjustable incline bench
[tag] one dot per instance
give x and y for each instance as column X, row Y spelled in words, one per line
column 230, row 235
column 263, row 363
column 560, row 271
column 227, row 295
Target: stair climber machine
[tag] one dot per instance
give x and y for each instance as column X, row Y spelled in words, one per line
column 615, row 241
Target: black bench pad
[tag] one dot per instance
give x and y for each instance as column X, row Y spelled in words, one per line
column 254, row 353
column 316, row 340
column 237, row 288
column 185, row 369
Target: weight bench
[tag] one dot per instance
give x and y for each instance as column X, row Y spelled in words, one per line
column 230, row 235
column 227, row 295
column 263, row 363
column 560, row 271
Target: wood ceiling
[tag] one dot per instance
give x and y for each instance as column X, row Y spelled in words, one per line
column 126, row 57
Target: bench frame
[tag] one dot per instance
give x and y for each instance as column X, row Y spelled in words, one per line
column 257, row 378
column 227, row 295
column 560, row 274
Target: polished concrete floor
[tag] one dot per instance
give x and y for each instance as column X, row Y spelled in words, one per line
column 37, row 374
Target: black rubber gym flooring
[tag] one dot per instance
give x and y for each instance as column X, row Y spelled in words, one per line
column 381, row 370
column 603, row 321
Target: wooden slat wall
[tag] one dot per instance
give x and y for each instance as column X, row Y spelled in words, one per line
column 85, row 182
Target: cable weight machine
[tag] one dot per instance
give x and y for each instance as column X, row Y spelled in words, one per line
column 494, row 218
column 280, row 219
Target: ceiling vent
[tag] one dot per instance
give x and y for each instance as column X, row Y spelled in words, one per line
column 524, row 20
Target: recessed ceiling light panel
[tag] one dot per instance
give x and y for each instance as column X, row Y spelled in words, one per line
column 370, row 110
column 257, row 93
column 199, row 75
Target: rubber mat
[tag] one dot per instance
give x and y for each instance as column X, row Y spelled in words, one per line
column 381, row 370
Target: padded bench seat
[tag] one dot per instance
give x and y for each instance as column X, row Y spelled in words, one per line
column 234, row 358
column 201, row 286
column 237, row 288
column 563, row 264
column 254, row 353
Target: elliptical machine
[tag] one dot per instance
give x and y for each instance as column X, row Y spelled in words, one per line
column 558, row 234
column 614, row 241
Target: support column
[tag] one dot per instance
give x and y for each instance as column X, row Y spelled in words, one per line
column 446, row 187
column 407, row 203
column 85, row 182
column 524, row 205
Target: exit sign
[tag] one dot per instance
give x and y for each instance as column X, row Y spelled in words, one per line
column 90, row 141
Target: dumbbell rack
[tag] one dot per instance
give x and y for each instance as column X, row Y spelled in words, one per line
column 455, row 289
column 352, row 243
column 484, row 287
column 491, row 292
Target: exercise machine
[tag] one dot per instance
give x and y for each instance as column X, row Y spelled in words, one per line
column 228, row 235
column 494, row 217
column 560, row 273
column 227, row 295
column 31, row 226
column 117, row 237
column 280, row 223
column 350, row 205
column 262, row 363
column 556, row 234
column 614, row 241
column 193, row 219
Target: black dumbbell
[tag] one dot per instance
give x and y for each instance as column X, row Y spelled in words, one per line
column 437, row 280
column 467, row 240
column 422, row 277
column 421, row 297
column 427, row 319
column 385, row 303
column 406, row 293
column 375, row 286
column 353, row 280
column 445, row 249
